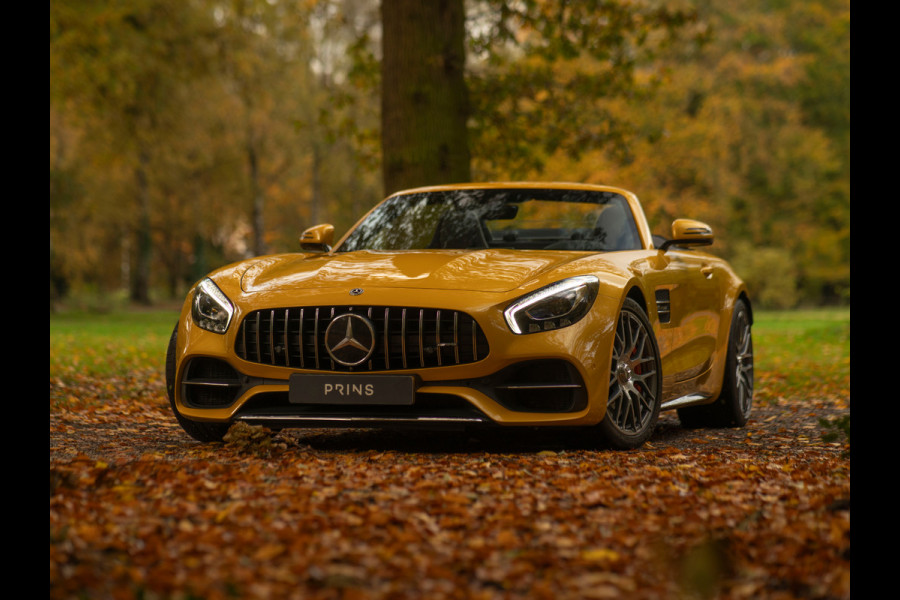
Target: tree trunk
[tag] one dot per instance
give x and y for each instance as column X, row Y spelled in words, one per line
column 259, row 229
column 424, row 101
column 140, row 281
column 315, row 200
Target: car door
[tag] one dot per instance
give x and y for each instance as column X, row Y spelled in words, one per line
column 686, row 288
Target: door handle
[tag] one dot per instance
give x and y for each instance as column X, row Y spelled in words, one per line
column 707, row 272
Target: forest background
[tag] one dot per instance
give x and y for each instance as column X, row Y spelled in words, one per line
column 187, row 134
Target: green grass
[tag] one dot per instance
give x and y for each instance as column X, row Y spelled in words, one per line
column 802, row 353
column 98, row 345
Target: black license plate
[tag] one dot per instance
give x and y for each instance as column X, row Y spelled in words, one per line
column 351, row 389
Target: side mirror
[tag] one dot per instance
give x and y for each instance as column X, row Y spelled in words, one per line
column 687, row 232
column 318, row 238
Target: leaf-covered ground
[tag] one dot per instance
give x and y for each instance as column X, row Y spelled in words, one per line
column 139, row 510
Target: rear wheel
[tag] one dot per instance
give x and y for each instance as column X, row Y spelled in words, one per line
column 635, row 382
column 203, row 432
column 733, row 407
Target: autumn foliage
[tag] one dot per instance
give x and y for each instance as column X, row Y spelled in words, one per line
column 186, row 135
column 139, row 510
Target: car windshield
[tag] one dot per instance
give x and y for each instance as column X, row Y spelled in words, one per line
column 524, row 219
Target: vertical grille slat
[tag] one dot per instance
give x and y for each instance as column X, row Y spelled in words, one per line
column 456, row 337
column 405, row 338
column 272, row 337
column 369, row 314
column 326, row 327
column 316, row 338
column 300, row 343
column 421, row 337
column 259, row 356
column 385, row 342
column 286, row 339
column 437, row 337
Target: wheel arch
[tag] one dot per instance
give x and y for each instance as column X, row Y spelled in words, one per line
column 743, row 296
column 637, row 294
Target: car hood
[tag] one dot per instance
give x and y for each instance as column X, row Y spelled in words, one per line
column 478, row 270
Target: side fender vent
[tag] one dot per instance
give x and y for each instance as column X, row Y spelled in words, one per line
column 663, row 307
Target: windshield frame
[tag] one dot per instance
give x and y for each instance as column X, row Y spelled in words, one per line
column 497, row 210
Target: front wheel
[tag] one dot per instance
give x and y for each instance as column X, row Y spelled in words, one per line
column 635, row 384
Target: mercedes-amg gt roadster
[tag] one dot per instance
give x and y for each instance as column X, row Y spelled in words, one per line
column 492, row 305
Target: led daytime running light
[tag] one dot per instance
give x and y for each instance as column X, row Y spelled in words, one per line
column 211, row 308
column 520, row 316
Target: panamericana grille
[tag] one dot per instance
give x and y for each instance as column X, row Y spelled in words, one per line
column 405, row 338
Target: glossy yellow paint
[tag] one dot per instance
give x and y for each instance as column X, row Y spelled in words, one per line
column 483, row 283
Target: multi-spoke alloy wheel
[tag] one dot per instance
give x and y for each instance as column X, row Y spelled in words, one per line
column 743, row 363
column 634, row 381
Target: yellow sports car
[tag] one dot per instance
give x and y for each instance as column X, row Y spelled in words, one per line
column 462, row 306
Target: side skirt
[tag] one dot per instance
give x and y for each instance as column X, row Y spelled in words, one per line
column 689, row 400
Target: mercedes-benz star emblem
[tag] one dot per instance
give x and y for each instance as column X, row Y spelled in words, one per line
column 350, row 339
column 356, row 291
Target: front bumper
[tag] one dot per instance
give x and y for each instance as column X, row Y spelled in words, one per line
column 557, row 377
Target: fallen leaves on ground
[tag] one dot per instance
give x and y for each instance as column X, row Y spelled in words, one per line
column 139, row 510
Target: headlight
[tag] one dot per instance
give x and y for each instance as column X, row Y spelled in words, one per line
column 211, row 309
column 552, row 307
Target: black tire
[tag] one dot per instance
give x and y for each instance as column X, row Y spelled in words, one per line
column 733, row 407
column 635, row 381
column 203, row 432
